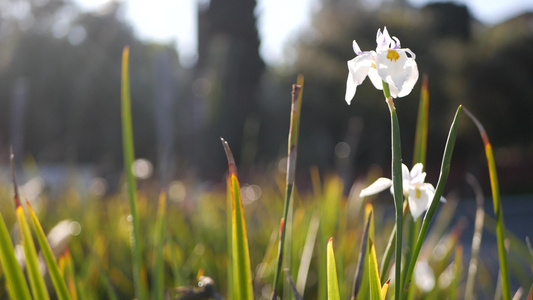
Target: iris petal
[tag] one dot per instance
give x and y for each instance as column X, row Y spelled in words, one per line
column 417, row 176
column 374, row 77
column 418, row 200
column 378, row 186
column 411, row 70
column 358, row 69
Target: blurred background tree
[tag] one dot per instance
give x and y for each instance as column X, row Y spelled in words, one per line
column 60, row 79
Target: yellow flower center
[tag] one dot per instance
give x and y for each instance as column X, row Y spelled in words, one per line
column 418, row 194
column 393, row 55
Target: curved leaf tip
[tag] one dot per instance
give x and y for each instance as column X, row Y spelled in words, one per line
column 231, row 161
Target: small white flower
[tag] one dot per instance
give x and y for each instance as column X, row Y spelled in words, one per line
column 418, row 193
column 389, row 63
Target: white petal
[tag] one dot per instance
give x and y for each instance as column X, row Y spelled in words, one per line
column 356, row 48
column 378, row 186
column 397, row 45
column 374, row 77
column 419, row 198
column 417, row 176
column 430, row 190
column 351, row 87
column 411, row 70
column 424, row 276
column 416, row 170
column 393, row 91
column 405, row 177
column 393, row 71
column 357, row 70
column 383, row 40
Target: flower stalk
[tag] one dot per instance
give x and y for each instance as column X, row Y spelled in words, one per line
column 396, row 185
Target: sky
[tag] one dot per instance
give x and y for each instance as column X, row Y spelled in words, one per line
column 174, row 21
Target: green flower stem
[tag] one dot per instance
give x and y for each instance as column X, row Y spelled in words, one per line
column 387, row 256
column 397, row 186
column 444, row 171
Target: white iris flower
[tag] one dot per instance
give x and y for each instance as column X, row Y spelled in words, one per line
column 389, row 63
column 418, row 193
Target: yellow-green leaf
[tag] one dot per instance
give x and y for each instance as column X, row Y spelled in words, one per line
column 16, row 283
column 332, row 281
column 56, row 276
column 375, row 281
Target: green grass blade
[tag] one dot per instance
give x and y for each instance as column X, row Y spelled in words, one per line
column 476, row 240
column 421, row 135
column 229, row 233
column 375, row 282
column 297, row 92
column 128, row 150
column 443, row 177
column 397, row 185
column 332, row 282
column 37, row 284
column 242, row 277
column 498, row 211
column 66, row 266
column 159, row 275
column 294, row 290
column 307, row 254
column 17, row 287
column 110, row 292
column 385, row 289
column 360, row 262
column 55, row 275
column 452, row 295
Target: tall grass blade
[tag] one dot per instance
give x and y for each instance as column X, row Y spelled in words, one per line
column 332, row 282
column 66, row 267
column 375, row 282
column 385, row 289
column 421, row 135
column 37, row 284
column 242, row 277
column 476, row 240
column 518, row 294
column 110, row 291
column 229, row 233
column 529, row 248
column 294, row 290
column 443, row 177
column 360, row 262
column 129, row 156
column 498, row 211
column 307, row 254
column 17, row 287
column 419, row 156
column 458, row 261
column 159, row 275
column 297, row 91
column 55, row 275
